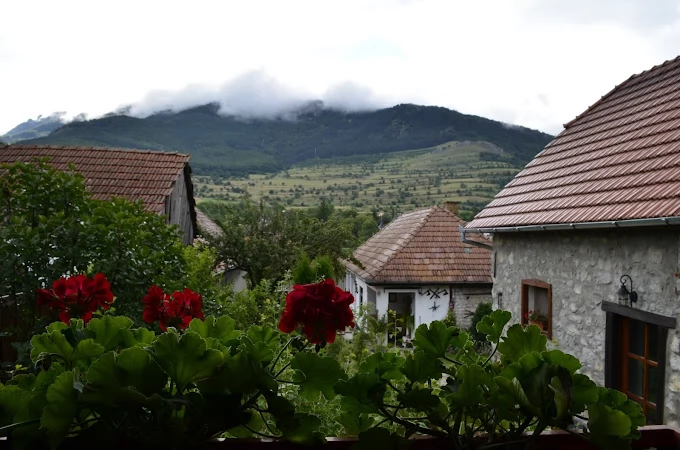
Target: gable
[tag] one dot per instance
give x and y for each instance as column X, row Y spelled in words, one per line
column 618, row 161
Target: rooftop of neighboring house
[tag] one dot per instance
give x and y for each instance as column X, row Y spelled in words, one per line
column 207, row 225
column 422, row 247
column 617, row 161
column 133, row 174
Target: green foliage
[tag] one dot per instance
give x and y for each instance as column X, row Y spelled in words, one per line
column 53, row 228
column 266, row 241
column 307, row 272
column 450, row 319
column 483, row 309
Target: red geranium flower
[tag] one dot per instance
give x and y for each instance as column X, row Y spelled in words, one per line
column 77, row 296
column 176, row 310
column 321, row 309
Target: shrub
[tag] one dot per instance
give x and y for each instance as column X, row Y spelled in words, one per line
column 483, row 309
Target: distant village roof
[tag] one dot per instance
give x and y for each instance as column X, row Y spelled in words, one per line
column 148, row 176
column 422, row 247
column 619, row 160
column 206, row 224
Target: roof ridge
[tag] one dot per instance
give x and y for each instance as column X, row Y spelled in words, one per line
column 412, row 234
column 87, row 147
column 616, row 88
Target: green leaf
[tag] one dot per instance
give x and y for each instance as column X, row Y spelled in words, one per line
column 492, row 325
column 385, row 365
column 561, row 399
column 419, row 367
column 419, row 399
column 61, row 407
column 363, row 393
column 301, row 429
column 108, row 331
column 258, row 350
column 221, row 328
column 435, row 339
column 141, row 337
column 583, row 391
column 470, row 391
column 618, row 401
column 355, row 423
column 519, row 341
column 316, row 374
column 380, row 438
column 139, row 370
column 56, row 326
column 51, row 344
column 559, row 358
column 87, row 349
column 243, row 374
column 264, row 334
column 12, row 399
column 185, row 359
column 606, row 421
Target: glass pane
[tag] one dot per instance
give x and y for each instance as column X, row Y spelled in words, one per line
column 635, row 376
column 653, row 383
column 652, row 342
column 637, row 337
column 651, row 415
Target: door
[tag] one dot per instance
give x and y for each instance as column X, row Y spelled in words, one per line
column 641, row 377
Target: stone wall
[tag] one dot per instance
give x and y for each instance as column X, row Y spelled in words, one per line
column 465, row 301
column 584, row 268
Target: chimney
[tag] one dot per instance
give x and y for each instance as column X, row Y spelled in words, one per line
column 452, row 207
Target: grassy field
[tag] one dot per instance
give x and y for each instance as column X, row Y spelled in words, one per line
column 470, row 173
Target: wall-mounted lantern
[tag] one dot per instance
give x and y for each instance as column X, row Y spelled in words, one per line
column 626, row 297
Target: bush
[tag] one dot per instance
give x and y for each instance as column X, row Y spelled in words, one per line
column 450, row 319
column 483, row 309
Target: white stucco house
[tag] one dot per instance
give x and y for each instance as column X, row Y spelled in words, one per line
column 589, row 234
column 418, row 266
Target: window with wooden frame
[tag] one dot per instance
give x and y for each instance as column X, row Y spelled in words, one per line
column 635, row 356
column 537, row 299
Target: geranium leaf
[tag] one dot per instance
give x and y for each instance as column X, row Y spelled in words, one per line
column 514, row 389
column 185, row 359
column 301, row 428
column 61, row 407
column 385, row 365
column 53, row 343
column 108, row 330
column 435, row 339
column 141, row 371
column 362, row 393
column 618, row 401
column 264, row 334
column 605, row 421
column 419, row 399
column 583, row 392
column 519, row 341
column 421, row 367
column 493, row 324
column 244, row 373
column 559, row 358
column 56, row 326
column 561, row 400
column 12, row 399
column 87, row 349
column 316, row 374
column 141, row 337
column 259, row 350
column 221, row 328
column 470, row 391
column 355, row 423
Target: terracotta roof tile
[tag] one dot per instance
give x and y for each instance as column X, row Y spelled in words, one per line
column 618, row 160
column 422, row 247
column 134, row 174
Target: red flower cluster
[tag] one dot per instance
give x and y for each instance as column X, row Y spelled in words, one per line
column 321, row 309
column 77, row 296
column 176, row 310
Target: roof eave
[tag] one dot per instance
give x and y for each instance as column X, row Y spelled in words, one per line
column 628, row 223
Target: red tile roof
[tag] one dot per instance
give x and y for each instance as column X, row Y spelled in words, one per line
column 618, row 160
column 134, row 174
column 422, row 247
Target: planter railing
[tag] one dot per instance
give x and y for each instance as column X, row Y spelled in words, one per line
column 659, row 437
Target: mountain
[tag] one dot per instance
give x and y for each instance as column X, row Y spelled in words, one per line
column 228, row 145
column 31, row 129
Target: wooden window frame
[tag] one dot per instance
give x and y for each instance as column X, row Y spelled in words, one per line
column 532, row 282
column 613, row 361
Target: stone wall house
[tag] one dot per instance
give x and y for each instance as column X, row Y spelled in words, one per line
column 417, row 266
column 161, row 180
column 595, row 216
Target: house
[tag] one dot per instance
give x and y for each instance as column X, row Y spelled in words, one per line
column 161, row 180
column 417, row 266
column 589, row 234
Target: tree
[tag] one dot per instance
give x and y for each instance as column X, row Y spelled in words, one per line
column 50, row 227
column 266, row 241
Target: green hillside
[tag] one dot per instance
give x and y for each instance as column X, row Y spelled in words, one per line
column 470, row 173
column 228, row 146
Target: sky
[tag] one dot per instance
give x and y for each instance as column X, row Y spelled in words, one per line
column 536, row 63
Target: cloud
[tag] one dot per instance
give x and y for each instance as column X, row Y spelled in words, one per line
column 256, row 94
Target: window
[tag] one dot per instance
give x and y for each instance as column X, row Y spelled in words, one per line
column 537, row 296
column 361, row 296
column 635, row 356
